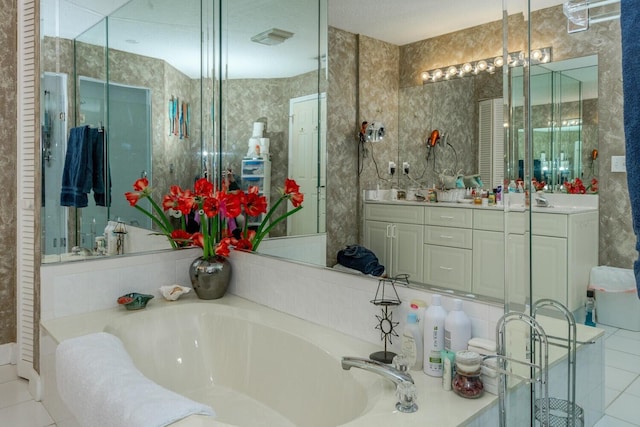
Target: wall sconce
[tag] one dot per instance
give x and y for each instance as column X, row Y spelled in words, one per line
column 488, row 65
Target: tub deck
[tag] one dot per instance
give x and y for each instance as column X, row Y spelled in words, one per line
column 436, row 406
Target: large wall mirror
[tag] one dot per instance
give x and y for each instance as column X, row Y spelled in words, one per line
column 343, row 77
column 143, row 77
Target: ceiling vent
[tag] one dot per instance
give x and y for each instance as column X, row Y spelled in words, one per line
column 272, row 37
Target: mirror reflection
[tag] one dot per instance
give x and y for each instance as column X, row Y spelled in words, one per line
column 564, row 100
column 371, row 80
column 159, row 124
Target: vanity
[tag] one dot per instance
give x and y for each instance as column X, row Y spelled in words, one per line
column 478, row 249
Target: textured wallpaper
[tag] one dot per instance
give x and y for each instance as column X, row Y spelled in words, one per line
column 8, row 172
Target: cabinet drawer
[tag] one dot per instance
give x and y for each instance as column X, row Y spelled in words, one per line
column 447, row 267
column 448, row 236
column 516, row 223
column 397, row 214
column 544, row 224
column 488, row 220
column 449, row 217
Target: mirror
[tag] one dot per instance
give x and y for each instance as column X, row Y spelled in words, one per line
column 159, row 124
column 565, row 123
column 273, row 104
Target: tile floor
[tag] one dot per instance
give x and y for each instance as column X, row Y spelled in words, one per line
column 622, row 394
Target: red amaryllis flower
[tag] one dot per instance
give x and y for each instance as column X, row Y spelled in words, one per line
column 203, row 188
column 198, row 239
column 211, row 206
column 179, row 200
column 141, row 190
column 223, row 247
column 254, row 203
column 181, row 237
column 244, row 245
column 290, row 186
column 297, row 199
column 230, row 204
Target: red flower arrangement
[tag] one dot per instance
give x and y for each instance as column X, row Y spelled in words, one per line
column 577, row 186
column 214, row 210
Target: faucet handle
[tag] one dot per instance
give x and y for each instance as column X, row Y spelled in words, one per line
column 401, row 362
column 406, row 394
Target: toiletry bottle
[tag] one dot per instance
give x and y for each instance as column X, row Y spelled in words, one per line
column 457, row 328
column 434, row 337
column 512, row 187
column 412, row 346
column 590, row 309
column 418, row 306
column 111, row 238
column 448, row 363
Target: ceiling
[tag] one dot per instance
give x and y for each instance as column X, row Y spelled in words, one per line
column 395, row 21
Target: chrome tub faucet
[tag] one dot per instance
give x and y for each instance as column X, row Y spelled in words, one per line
column 405, row 387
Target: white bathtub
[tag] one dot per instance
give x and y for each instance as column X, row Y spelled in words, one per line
column 256, row 367
column 244, row 365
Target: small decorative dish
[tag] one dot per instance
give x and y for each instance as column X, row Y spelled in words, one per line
column 173, row 292
column 467, row 201
column 134, row 300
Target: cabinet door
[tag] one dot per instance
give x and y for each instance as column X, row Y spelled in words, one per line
column 488, row 263
column 447, row 267
column 377, row 239
column 549, row 268
column 407, row 243
column 517, row 270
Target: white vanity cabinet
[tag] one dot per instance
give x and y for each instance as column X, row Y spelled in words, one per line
column 448, row 247
column 564, row 248
column 394, row 234
column 488, row 253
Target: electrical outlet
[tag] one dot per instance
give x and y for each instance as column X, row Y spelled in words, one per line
column 405, row 168
column 392, row 168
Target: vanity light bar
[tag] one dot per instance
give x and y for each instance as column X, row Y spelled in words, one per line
column 489, row 65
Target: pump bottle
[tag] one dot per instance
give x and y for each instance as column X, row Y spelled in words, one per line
column 434, row 337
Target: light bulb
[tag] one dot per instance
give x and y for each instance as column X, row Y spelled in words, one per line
column 437, row 74
column 499, row 61
column 425, row 75
column 536, row 55
column 467, row 68
column 452, row 71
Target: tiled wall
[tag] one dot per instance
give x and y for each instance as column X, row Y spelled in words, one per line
column 8, row 171
column 85, row 286
column 334, row 299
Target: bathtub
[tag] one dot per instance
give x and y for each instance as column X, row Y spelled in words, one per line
column 245, row 366
column 259, row 367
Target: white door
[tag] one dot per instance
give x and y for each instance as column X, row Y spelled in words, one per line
column 307, row 160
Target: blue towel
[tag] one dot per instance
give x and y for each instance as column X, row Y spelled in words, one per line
column 361, row 259
column 101, row 179
column 630, row 32
column 78, row 169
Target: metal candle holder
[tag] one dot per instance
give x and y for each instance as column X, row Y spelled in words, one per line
column 386, row 325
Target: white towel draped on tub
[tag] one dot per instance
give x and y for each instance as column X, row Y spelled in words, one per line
column 99, row 383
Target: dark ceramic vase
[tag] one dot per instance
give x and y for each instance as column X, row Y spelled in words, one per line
column 210, row 277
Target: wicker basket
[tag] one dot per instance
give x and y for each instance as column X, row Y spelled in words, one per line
column 450, row 195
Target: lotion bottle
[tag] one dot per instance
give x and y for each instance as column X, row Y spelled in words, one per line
column 434, row 337
column 457, row 328
column 412, row 342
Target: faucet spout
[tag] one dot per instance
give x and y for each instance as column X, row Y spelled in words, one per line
column 388, row 372
column 405, row 388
